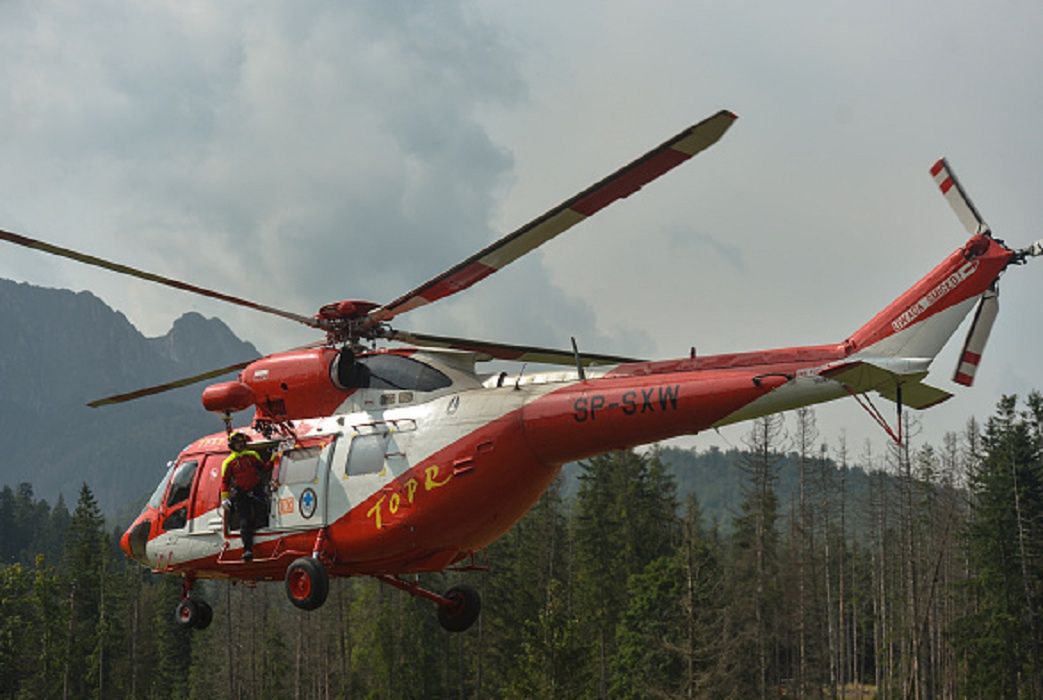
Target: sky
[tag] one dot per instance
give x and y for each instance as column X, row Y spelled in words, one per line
column 300, row 153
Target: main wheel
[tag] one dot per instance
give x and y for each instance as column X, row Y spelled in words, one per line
column 466, row 605
column 194, row 613
column 187, row 613
column 307, row 583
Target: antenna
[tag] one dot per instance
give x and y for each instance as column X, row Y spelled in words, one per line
column 517, row 382
column 579, row 365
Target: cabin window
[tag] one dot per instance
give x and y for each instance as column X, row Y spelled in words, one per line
column 176, row 520
column 181, row 484
column 387, row 371
column 367, row 454
column 299, row 466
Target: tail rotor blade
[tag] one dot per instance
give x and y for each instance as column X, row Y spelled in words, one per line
column 957, row 198
column 977, row 336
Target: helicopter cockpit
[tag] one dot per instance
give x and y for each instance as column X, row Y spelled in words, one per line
column 386, row 371
column 385, row 379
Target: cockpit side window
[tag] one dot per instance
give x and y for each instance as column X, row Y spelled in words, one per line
column 387, row 371
column 157, row 496
column 181, row 484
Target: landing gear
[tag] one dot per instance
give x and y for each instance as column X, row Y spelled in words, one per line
column 307, row 583
column 191, row 612
column 463, row 610
column 196, row 614
column 457, row 609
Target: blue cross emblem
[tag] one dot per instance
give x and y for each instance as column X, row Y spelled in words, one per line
column 307, row 503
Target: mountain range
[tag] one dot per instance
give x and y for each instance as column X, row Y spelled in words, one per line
column 60, row 349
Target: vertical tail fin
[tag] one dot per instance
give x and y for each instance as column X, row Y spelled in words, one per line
column 924, row 317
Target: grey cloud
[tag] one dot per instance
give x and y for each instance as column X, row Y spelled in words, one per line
column 692, row 244
column 317, row 149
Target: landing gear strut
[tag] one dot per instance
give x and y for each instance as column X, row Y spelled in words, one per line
column 457, row 609
column 192, row 612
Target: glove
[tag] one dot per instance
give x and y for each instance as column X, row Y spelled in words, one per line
column 226, row 504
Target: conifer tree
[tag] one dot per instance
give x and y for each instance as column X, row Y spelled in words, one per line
column 85, row 550
column 624, row 518
column 527, row 616
column 1001, row 637
column 756, row 605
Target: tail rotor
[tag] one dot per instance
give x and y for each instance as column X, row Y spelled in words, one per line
column 989, row 304
column 977, row 336
column 957, row 198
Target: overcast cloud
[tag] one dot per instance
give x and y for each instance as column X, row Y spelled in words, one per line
column 303, row 152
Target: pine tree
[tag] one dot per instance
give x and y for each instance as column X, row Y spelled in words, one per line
column 756, row 604
column 648, row 638
column 85, row 550
column 526, row 595
column 625, row 517
column 1000, row 639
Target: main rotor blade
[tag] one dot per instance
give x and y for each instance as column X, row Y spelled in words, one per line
column 957, row 198
column 176, row 384
column 86, row 259
column 622, row 183
column 977, row 336
column 503, row 351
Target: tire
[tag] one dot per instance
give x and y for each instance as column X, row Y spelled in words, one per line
column 206, row 614
column 187, row 613
column 307, row 583
column 465, row 608
column 193, row 613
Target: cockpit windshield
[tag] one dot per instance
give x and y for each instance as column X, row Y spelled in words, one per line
column 156, row 498
column 387, row 371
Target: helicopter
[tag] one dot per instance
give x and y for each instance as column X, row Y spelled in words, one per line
column 394, row 461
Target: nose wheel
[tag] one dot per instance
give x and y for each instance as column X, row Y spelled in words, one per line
column 192, row 612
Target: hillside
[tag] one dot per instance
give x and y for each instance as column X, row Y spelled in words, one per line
column 716, row 479
column 60, row 349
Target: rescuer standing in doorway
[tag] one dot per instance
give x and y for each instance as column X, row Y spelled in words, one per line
column 243, row 478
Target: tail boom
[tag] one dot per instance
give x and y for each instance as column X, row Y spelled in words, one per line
column 921, row 320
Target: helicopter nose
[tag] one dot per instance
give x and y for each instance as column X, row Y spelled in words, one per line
column 134, row 539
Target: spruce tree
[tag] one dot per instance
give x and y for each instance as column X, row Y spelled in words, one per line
column 1000, row 639
column 84, row 552
column 624, row 518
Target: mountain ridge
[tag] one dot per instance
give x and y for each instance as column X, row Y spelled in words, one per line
column 60, row 349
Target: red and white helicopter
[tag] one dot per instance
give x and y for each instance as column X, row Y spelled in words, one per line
column 397, row 461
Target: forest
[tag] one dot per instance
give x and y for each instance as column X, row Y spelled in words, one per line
column 925, row 581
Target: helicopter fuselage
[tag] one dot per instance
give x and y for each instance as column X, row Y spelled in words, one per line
column 423, row 462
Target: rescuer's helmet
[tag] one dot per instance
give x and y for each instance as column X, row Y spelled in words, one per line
column 237, row 438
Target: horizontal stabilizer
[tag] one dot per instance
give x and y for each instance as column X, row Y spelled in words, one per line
column 885, row 376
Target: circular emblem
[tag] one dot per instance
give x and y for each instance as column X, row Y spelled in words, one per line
column 307, row 502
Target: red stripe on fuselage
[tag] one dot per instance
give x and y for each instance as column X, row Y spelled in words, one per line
column 778, row 359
